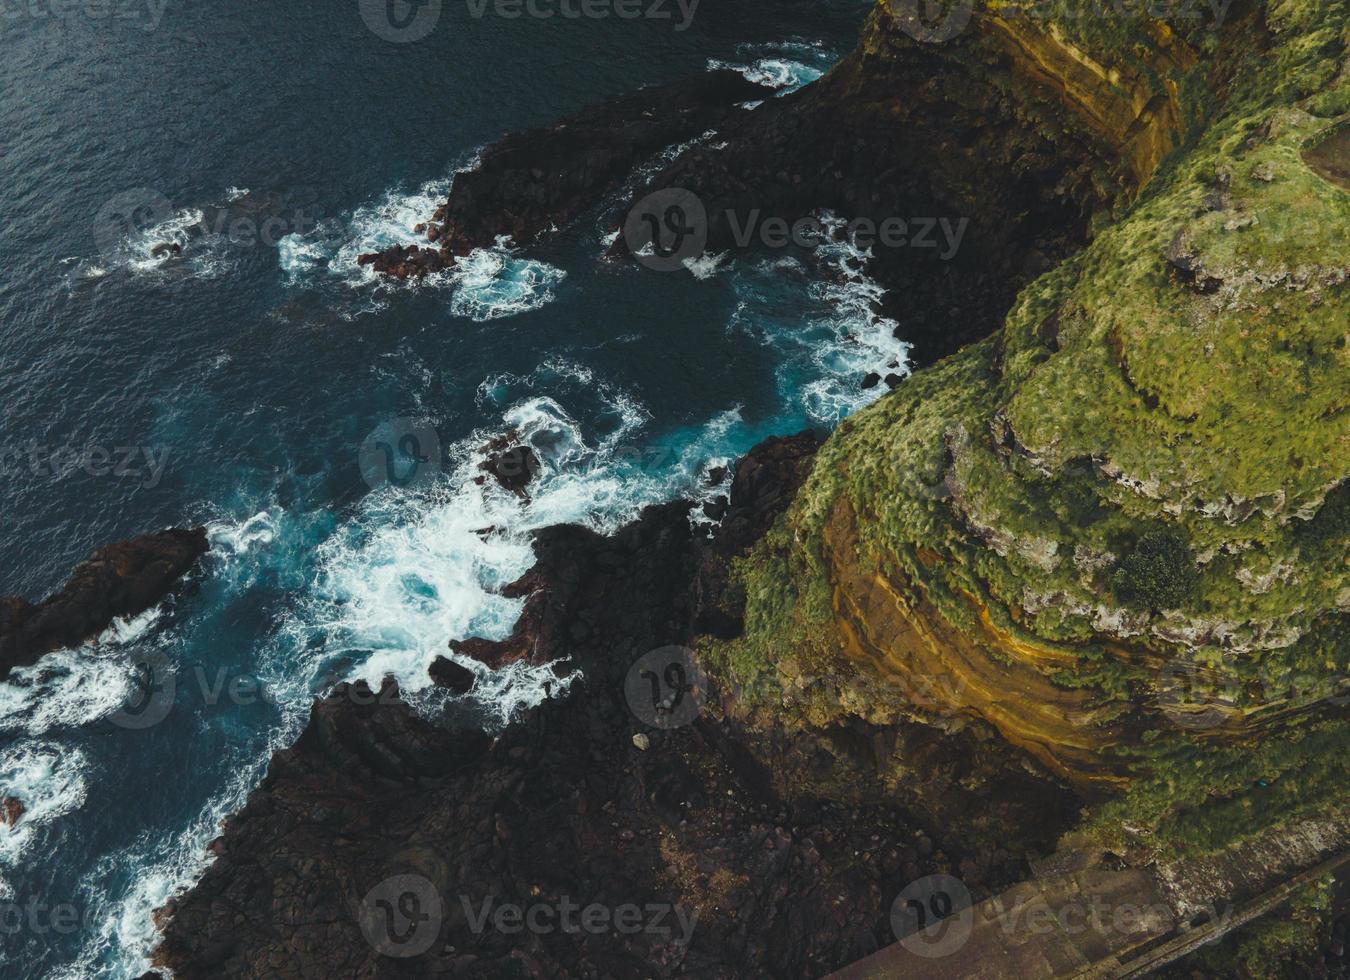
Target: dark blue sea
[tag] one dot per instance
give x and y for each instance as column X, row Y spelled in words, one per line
column 186, row 338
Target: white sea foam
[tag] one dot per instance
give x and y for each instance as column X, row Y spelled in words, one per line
column 234, row 538
column 122, row 931
column 783, row 65
column 706, row 265
column 50, row 780
column 77, row 686
column 493, row 283
column 487, row 284
column 826, row 349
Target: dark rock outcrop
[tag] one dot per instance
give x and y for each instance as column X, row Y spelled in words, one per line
column 511, row 463
column 121, row 580
column 454, row 677
column 11, row 809
column 530, row 182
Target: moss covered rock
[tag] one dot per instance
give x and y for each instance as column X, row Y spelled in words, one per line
column 1115, row 530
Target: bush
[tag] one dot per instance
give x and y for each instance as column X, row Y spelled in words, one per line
column 1159, row 573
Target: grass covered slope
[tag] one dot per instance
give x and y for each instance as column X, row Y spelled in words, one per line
column 1116, row 532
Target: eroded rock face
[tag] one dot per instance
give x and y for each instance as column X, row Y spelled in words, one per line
column 123, row 579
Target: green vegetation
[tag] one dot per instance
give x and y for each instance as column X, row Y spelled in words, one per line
column 1168, row 482
column 1159, row 573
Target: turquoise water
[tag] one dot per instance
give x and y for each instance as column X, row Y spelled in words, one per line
column 240, row 381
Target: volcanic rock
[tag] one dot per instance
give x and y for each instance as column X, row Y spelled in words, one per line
column 120, row 580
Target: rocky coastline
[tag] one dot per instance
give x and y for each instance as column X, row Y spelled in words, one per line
column 1022, row 602
column 115, row 582
column 580, row 800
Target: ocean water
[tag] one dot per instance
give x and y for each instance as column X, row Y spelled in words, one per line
column 243, row 382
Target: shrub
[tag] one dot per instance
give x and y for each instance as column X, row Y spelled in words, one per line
column 1159, row 573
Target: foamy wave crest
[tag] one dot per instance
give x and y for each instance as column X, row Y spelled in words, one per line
column 417, row 569
column 493, row 283
column 487, row 284
column 843, row 336
column 234, row 538
column 122, row 933
column 73, row 687
column 706, row 265
column 182, row 245
column 50, row 780
column 784, row 65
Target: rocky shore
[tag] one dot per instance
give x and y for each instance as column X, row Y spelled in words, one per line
column 582, row 801
column 121, row 580
column 532, row 182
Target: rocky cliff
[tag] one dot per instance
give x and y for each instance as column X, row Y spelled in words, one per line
column 1116, row 529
